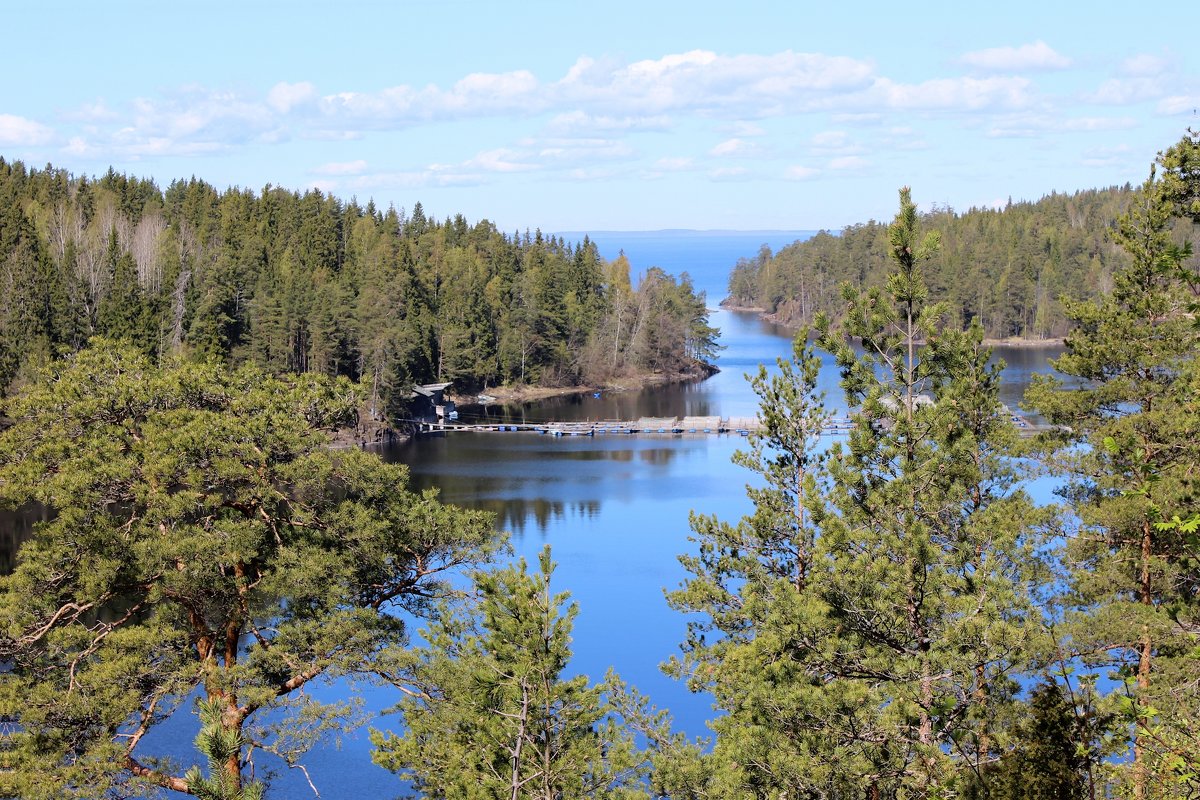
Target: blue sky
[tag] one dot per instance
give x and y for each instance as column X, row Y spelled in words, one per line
column 607, row 115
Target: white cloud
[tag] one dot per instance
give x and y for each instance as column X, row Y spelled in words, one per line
column 1038, row 125
column 1098, row 124
column 829, row 139
column 92, row 112
column 704, row 82
column 1127, row 91
column 192, row 121
column 481, row 90
column 963, row 94
column 673, row 164
column 21, row 132
column 1179, row 104
column 857, row 118
column 341, row 168
column 1145, row 65
column 501, row 160
column 799, row 173
column 1106, row 156
column 78, row 146
column 476, row 94
column 434, row 175
column 593, row 174
column 903, row 137
column 581, row 122
column 283, row 97
column 729, row 174
column 1036, row 56
column 743, row 129
column 595, row 99
column 848, row 163
column 582, row 150
column 736, row 148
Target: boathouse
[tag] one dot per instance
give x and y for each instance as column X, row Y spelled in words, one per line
column 428, row 403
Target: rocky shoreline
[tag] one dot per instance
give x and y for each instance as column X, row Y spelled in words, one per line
column 514, row 395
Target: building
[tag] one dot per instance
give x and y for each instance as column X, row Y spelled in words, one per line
column 430, row 404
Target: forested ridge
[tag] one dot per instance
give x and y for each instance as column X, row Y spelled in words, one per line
column 1009, row 268
column 305, row 282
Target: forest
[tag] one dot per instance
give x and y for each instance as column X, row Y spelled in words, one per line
column 1009, row 268
column 306, row 283
column 896, row 618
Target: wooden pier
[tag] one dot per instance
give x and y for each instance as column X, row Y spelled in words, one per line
column 743, row 426
column 673, row 426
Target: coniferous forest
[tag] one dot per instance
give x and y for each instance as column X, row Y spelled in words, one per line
column 897, row 617
column 1009, row 268
column 307, row 283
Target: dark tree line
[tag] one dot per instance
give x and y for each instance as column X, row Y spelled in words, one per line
column 1010, row 269
column 304, row 282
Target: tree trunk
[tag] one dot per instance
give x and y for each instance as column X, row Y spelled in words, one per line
column 1145, row 653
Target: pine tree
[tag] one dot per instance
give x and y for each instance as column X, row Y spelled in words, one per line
column 487, row 711
column 205, row 538
column 1130, row 425
column 868, row 619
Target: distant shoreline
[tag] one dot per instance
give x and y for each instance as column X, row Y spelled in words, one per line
column 690, row 232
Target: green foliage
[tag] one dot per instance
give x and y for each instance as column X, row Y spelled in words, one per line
column 305, row 283
column 1007, row 269
column 219, row 744
column 1130, row 425
column 1053, row 753
column 202, row 537
column 862, row 630
column 488, row 713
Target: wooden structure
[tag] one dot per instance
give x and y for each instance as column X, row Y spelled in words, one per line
column 742, row 426
column 428, row 403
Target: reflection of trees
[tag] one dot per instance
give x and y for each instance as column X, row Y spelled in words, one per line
column 530, row 481
column 514, row 515
column 659, row 456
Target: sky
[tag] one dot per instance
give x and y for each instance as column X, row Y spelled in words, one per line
column 607, row 115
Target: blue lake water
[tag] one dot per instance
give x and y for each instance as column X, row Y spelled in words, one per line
column 614, row 508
